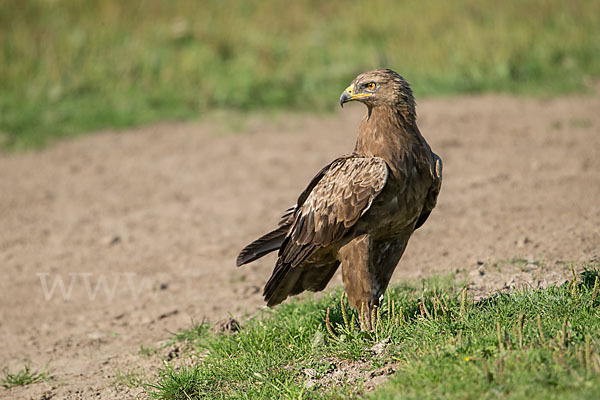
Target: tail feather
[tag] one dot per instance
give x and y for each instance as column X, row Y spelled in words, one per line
column 287, row 281
column 262, row 246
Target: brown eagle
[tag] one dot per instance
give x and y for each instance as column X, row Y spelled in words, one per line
column 361, row 209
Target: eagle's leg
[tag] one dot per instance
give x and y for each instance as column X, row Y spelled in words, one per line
column 367, row 267
column 359, row 277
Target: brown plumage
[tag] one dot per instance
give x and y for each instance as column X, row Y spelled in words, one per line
column 361, row 209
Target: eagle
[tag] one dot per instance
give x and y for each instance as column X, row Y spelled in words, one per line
column 361, row 209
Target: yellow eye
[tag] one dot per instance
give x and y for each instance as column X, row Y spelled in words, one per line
column 371, row 85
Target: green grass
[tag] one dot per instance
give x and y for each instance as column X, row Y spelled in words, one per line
column 25, row 376
column 534, row 344
column 71, row 66
column 131, row 378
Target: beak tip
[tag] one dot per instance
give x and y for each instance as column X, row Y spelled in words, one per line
column 344, row 98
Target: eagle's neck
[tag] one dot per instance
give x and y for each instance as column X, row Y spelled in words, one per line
column 388, row 133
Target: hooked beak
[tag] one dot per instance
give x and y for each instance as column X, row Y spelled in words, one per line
column 350, row 95
column 346, row 96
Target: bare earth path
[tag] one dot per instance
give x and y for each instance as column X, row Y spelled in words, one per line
column 159, row 213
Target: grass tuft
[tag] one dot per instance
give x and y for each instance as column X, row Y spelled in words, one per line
column 25, row 376
column 185, row 382
column 130, row 378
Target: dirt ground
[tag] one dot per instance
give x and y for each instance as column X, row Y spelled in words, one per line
column 159, row 213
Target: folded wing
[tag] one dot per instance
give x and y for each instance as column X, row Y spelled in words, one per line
column 329, row 207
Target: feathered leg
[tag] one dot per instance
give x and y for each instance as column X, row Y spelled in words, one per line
column 359, row 274
column 367, row 267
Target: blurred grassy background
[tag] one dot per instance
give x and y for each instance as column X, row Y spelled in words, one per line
column 71, row 66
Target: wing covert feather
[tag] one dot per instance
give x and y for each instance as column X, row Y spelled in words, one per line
column 344, row 192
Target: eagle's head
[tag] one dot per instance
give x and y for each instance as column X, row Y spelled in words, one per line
column 381, row 87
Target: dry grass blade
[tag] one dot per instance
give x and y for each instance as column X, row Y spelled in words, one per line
column 344, row 315
column 521, row 321
column 499, row 332
column 463, row 301
column 426, row 309
column 563, row 334
column 541, row 331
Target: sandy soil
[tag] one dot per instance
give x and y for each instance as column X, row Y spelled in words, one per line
column 159, row 214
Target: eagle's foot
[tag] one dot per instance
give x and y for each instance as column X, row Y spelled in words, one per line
column 368, row 316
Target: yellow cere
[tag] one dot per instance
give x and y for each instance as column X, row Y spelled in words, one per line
column 350, row 91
